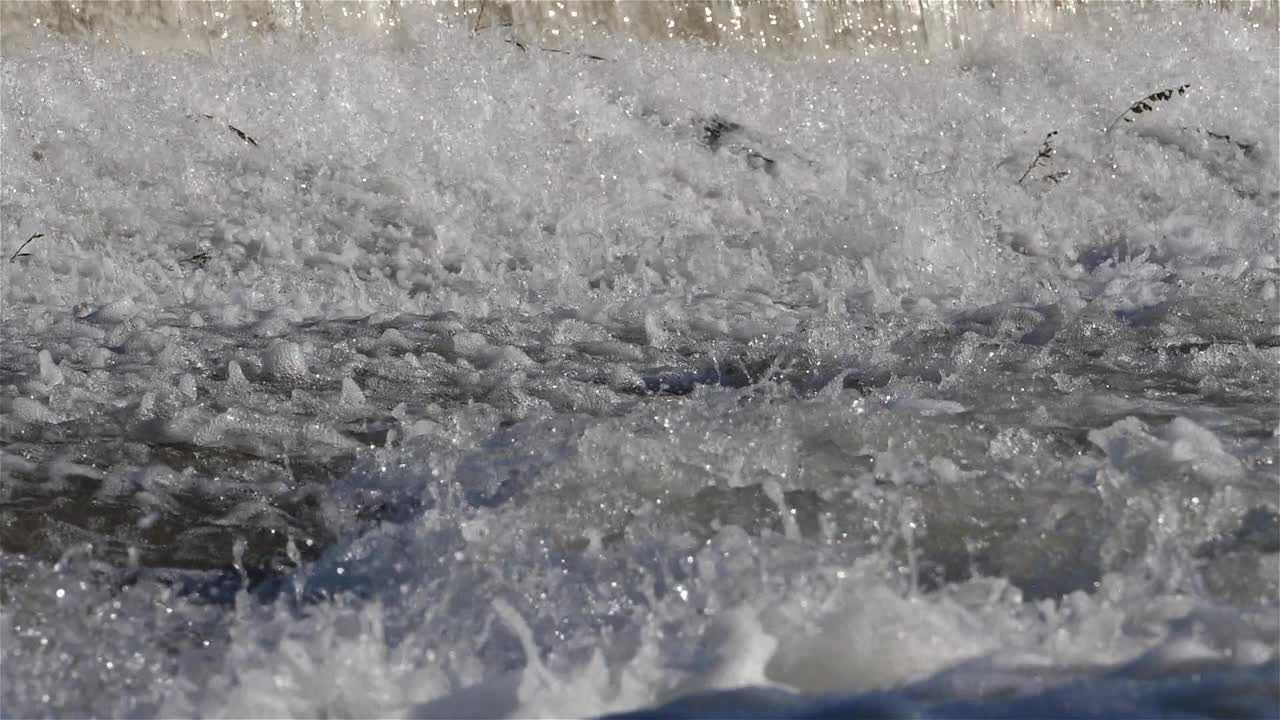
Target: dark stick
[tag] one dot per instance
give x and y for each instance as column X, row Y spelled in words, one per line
column 18, row 253
column 1046, row 152
column 1144, row 105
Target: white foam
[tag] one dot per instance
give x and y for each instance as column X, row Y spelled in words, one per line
column 659, row 417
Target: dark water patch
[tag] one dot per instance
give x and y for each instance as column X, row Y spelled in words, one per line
column 1199, row 689
column 1259, row 531
column 157, row 517
column 749, row 508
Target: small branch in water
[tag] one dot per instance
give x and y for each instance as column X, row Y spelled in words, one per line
column 756, row 161
column 716, row 128
column 18, row 253
column 475, row 30
column 1046, row 152
column 200, row 259
column 239, row 133
column 1245, row 147
column 557, row 51
column 588, row 56
column 1144, row 105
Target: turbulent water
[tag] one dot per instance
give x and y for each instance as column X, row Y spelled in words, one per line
column 462, row 378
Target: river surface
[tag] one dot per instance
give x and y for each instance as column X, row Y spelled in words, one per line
column 453, row 369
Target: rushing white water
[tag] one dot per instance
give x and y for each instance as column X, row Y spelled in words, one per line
column 447, row 378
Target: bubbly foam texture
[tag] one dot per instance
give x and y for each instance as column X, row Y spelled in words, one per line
column 450, row 379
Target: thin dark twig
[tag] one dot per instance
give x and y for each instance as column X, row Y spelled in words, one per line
column 476, row 28
column 557, row 51
column 1144, row 105
column 200, row 259
column 588, row 56
column 239, row 133
column 18, row 253
column 714, row 130
column 1046, row 152
column 242, row 135
column 1246, row 147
